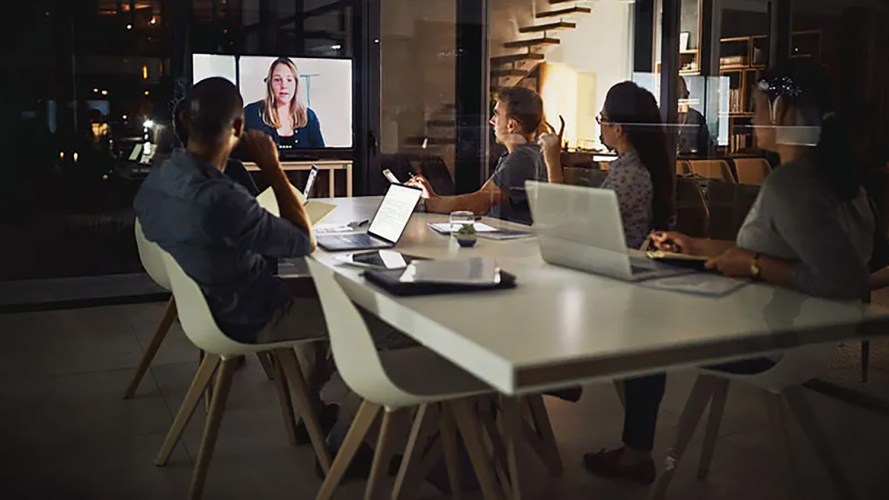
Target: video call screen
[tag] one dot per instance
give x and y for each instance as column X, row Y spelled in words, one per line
column 303, row 103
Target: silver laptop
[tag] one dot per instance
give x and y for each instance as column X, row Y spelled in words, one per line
column 388, row 223
column 581, row 228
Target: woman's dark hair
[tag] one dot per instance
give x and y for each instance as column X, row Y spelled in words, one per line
column 806, row 85
column 635, row 109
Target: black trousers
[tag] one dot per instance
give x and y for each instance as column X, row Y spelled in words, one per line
column 643, row 395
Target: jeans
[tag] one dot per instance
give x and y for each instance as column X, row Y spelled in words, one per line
column 643, row 395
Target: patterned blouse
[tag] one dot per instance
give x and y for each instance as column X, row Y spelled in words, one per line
column 629, row 178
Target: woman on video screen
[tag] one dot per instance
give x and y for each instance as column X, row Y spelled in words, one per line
column 281, row 114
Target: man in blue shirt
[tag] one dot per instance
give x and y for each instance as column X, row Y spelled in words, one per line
column 518, row 114
column 218, row 233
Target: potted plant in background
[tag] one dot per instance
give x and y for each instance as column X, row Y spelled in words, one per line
column 466, row 235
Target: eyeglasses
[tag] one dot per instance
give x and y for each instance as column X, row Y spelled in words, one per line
column 600, row 119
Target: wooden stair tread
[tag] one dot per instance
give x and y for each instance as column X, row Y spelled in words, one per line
column 564, row 12
column 508, row 72
column 532, row 42
column 547, row 27
column 517, row 58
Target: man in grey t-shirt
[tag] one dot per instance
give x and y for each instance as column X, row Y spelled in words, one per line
column 518, row 113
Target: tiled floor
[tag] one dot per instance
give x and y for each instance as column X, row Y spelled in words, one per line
column 65, row 432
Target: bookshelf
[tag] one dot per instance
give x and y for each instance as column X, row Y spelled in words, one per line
column 743, row 60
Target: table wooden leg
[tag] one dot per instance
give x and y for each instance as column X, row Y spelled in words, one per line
column 467, row 423
column 691, row 415
column 349, row 180
column 717, row 408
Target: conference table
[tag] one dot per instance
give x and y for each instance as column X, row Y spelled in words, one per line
column 560, row 327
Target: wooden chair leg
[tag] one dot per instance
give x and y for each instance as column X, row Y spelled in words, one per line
column 186, row 410
column 780, row 431
column 409, row 473
column 467, row 424
column 382, row 455
column 284, row 401
column 544, row 429
column 267, row 364
column 865, row 360
column 803, row 412
column 159, row 335
column 211, row 429
column 717, row 408
column 306, row 404
column 448, row 430
column 691, row 415
column 362, row 422
column 208, row 391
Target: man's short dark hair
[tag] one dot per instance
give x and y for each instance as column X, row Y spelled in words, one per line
column 210, row 110
column 522, row 105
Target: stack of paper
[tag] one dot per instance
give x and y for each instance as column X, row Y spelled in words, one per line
column 474, row 271
column 316, row 210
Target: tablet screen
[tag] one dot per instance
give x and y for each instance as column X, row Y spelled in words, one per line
column 383, row 259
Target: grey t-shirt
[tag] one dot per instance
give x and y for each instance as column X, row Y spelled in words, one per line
column 797, row 216
column 513, row 169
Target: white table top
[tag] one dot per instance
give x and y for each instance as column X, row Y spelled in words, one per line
column 560, row 326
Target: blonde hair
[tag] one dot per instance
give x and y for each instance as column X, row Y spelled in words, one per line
column 299, row 113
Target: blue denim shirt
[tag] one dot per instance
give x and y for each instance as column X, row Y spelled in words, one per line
column 219, row 234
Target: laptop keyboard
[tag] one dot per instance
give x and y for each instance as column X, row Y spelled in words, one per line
column 357, row 239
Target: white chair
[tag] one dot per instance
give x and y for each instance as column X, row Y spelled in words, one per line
column 156, row 271
column 201, row 329
column 396, row 382
column 780, row 384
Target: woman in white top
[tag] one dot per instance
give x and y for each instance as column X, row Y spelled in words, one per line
column 810, row 229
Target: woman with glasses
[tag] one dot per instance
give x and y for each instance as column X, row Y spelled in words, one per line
column 811, row 229
column 641, row 176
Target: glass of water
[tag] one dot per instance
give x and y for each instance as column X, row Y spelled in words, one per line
column 460, row 218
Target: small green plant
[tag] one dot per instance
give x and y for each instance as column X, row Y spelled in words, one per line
column 467, row 230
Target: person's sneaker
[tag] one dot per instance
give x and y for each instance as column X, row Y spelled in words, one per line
column 607, row 464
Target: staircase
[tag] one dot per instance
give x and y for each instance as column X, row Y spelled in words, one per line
column 519, row 65
column 534, row 40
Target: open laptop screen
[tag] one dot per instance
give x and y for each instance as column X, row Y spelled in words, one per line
column 395, row 212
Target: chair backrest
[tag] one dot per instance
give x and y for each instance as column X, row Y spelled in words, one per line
column 354, row 352
column 692, row 214
column 729, row 205
column 437, row 173
column 752, row 170
column 577, row 176
column 151, row 258
column 195, row 316
column 713, row 169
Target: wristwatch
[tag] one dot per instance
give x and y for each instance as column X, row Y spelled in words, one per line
column 755, row 271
